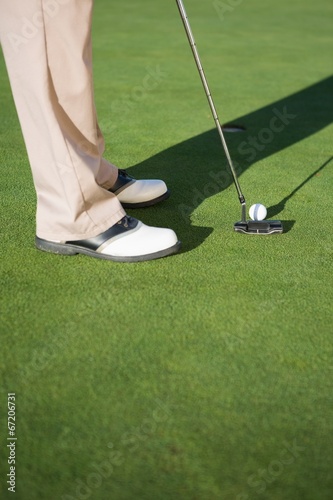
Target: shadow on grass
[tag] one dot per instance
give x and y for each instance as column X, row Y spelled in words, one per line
column 279, row 207
column 276, row 209
column 196, row 168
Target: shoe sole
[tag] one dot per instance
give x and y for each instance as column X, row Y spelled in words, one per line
column 148, row 203
column 69, row 249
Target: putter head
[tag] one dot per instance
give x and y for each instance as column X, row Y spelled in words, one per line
column 259, row 227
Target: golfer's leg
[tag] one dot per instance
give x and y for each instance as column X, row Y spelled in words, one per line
column 69, row 56
column 47, row 49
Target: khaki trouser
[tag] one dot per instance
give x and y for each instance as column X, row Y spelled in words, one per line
column 47, row 49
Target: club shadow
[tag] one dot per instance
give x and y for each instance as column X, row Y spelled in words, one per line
column 279, row 207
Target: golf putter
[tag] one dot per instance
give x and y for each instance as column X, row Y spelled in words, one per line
column 243, row 226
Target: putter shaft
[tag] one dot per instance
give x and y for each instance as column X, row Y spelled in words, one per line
column 211, row 102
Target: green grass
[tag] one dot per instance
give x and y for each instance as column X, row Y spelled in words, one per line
column 191, row 377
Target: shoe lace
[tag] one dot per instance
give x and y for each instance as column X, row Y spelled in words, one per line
column 124, row 221
column 123, row 172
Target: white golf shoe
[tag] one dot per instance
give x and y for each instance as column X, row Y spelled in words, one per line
column 134, row 193
column 127, row 241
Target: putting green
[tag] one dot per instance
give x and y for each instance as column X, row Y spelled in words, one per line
column 206, row 375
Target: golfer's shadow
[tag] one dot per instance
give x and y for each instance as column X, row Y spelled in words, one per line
column 196, row 168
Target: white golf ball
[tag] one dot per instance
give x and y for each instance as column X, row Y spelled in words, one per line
column 258, row 212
